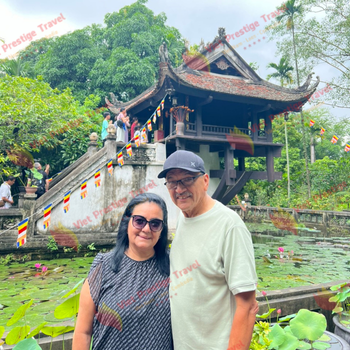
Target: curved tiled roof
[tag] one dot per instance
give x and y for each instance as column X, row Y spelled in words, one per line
column 240, row 87
column 248, row 85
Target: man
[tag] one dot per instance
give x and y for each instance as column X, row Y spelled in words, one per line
column 212, row 266
column 5, row 192
column 105, row 123
column 43, row 183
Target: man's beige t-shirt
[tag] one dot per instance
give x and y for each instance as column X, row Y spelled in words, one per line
column 211, row 260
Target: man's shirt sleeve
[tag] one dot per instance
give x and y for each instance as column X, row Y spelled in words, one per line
column 4, row 192
column 238, row 260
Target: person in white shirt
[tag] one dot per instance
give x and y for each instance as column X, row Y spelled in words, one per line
column 5, row 192
column 212, row 266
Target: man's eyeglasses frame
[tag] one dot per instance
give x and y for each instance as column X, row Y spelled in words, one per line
column 168, row 184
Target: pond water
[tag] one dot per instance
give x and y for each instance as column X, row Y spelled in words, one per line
column 21, row 282
column 305, row 261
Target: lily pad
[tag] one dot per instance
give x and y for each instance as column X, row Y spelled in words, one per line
column 16, row 335
column 56, row 331
column 69, row 308
column 27, row 344
column 308, row 325
column 19, row 313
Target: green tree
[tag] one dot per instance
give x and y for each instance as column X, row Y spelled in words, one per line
column 292, row 10
column 14, row 67
column 283, row 71
column 32, row 53
column 29, row 111
column 321, row 41
column 69, row 61
column 120, row 57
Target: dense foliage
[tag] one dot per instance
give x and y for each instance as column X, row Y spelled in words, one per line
column 48, row 123
column 331, row 168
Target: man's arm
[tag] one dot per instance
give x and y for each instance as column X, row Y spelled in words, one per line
column 243, row 321
column 7, row 200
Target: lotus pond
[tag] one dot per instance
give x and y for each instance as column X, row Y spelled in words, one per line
column 281, row 262
column 22, row 282
column 292, row 261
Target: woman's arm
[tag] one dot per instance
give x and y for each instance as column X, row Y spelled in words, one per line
column 83, row 328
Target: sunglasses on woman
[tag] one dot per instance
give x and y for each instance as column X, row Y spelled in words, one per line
column 140, row 222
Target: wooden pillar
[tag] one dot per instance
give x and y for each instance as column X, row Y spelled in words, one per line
column 270, row 165
column 229, row 166
column 171, row 124
column 268, row 128
column 180, row 144
column 241, row 164
column 255, row 127
column 199, row 121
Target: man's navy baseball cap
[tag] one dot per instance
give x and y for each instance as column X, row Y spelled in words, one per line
column 184, row 160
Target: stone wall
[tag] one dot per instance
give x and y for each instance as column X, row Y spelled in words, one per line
column 321, row 219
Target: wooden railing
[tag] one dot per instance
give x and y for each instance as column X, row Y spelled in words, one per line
column 190, row 126
column 217, row 129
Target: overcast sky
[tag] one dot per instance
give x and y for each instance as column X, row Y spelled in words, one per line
column 195, row 19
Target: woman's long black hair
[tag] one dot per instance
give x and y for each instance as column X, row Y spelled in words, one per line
column 162, row 257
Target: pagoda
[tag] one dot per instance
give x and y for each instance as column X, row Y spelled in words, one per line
column 233, row 109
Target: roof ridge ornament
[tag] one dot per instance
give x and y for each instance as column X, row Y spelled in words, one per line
column 222, row 33
column 305, row 86
column 163, row 53
column 114, row 99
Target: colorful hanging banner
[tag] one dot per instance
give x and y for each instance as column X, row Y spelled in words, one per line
column 110, row 167
column 158, row 111
column 149, row 125
column 322, row 131
column 312, row 123
column 137, row 139
column 162, row 104
column 347, row 148
column 47, row 214
column 143, row 135
column 83, row 189
column 98, row 178
column 154, row 118
column 22, row 232
column 334, row 139
column 66, row 202
column 129, row 149
column 120, row 159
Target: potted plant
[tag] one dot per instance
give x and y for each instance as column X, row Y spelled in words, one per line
column 342, row 308
column 304, row 330
column 179, row 114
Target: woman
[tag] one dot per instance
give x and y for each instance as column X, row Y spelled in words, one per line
column 121, row 124
column 124, row 303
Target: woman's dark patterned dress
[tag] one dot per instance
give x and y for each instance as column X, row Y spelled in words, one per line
column 132, row 306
